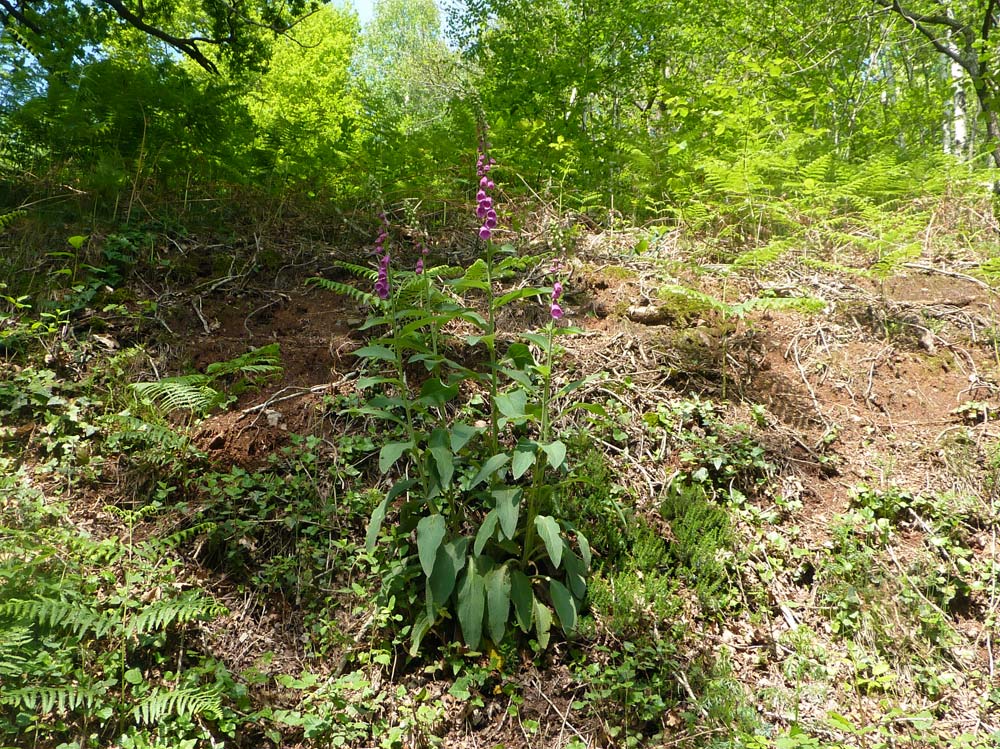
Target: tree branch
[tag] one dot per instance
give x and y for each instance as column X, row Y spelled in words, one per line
column 187, row 45
column 917, row 20
column 10, row 11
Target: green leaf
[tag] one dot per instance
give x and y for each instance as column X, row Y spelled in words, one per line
column 363, row 383
column 376, row 352
column 490, row 467
column 565, row 606
column 435, row 393
column 390, row 453
column 375, row 524
column 133, row 676
column 540, row 340
column 520, row 355
column 485, row 532
column 512, row 296
column 548, row 531
column 439, row 448
column 471, row 604
column 576, row 573
column 76, row 242
column 513, row 404
column 448, row 563
column 556, row 452
column 507, row 508
column 543, row 623
column 523, row 598
column 497, row 602
column 839, row 722
column 421, row 626
column 584, row 545
column 524, row 458
column 461, row 434
column 430, row 534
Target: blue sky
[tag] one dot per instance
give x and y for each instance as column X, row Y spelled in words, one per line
column 365, row 9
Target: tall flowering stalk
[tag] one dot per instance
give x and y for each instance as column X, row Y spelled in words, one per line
column 382, row 252
column 487, row 214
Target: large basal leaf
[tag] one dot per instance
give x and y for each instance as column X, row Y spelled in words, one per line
column 376, row 352
column 435, row 393
column 513, row 405
column 565, row 606
column 523, row 598
column 548, row 531
column 543, row 623
column 440, row 450
column 507, row 508
column 497, row 602
column 430, row 534
column 485, row 532
column 576, row 573
column 471, row 604
column 450, row 561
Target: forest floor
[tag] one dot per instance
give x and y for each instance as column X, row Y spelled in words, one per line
column 857, row 603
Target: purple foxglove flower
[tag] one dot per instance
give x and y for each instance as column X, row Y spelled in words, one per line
column 420, row 266
column 556, row 311
column 486, row 203
column 481, row 212
column 490, row 223
column 485, row 183
column 557, row 290
column 480, row 196
column 485, row 233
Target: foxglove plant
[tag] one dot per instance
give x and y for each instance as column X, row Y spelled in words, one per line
column 517, row 563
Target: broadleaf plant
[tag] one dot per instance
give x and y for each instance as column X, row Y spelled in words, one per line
column 469, row 526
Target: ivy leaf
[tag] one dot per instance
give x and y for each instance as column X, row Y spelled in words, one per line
column 390, row 453
column 430, row 534
column 548, row 531
column 565, row 606
column 507, row 506
column 471, row 604
column 497, row 602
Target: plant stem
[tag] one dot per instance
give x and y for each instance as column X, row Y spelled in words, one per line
column 538, row 474
column 491, row 345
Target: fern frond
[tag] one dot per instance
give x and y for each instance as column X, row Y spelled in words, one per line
column 12, row 641
column 805, row 304
column 705, row 301
column 359, row 296
column 258, row 362
column 135, row 432
column 189, row 392
column 181, row 537
column 760, row 257
column 47, row 699
column 9, row 217
column 158, row 616
column 184, row 703
column 55, row 614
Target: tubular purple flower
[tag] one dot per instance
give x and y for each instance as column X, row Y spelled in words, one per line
column 485, row 233
column 556, row 311
column 490, row 223
column 481, row 196
column 420, row 266
column 557, row 290
column 481, row 212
